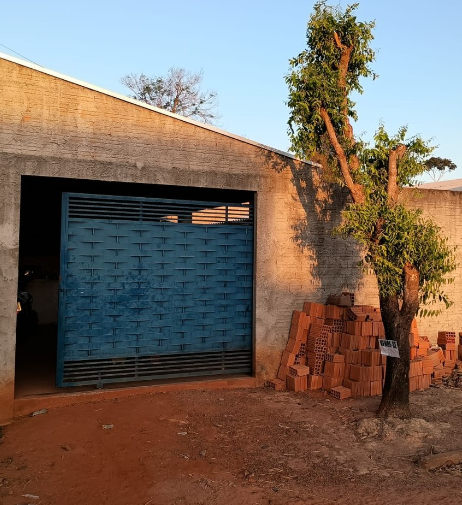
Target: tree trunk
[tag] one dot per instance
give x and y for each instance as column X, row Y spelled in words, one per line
column 397, row 322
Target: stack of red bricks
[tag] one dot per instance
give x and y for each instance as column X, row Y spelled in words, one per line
column 294, row 356
column 355, row 347
column 423, row 361
column 335, row 348
column 447, row 354
column 429, row 365
column 447, row 342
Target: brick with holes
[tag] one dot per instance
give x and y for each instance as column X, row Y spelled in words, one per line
column 340, row 392
column 335, row 358
column 299, row 370
column 276, row 384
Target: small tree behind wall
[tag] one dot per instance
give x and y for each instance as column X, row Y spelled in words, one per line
column 179, row 91
column 407, row 252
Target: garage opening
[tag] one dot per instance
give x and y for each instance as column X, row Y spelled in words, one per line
column 133, row 282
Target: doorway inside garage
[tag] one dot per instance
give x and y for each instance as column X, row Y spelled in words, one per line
column 133, row 282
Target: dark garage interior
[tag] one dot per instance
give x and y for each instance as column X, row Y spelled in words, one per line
column 39, row 257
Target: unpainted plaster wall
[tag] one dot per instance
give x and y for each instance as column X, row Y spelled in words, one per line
column 445, row 209
column 54, row 128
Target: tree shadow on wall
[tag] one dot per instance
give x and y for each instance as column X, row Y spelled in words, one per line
column 333, row 260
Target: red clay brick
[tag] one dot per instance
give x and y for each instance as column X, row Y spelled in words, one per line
column 335, row 358
column 365, row 373
column 293, row 346
column 347, row 371
column 356, row 314
column 276, row 384
column 282, row 372
column 332, row 369
column 331, row 382
column 370, row 357
column 378, row 330
column 376, row 388
column 424, row 344
column 340, row 392
column 415, row 368
column 314, row 309
column 299, row 370
column 288, row 358
column 314, row 382
column 357, row 388
column 296, row 384
column 300, row 360
column 426, row 380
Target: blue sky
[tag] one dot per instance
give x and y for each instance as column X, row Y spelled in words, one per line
column 243, row 47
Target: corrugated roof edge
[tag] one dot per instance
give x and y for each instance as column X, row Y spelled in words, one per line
column 44, row 70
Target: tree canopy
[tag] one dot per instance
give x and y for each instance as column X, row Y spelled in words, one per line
column 406, row 251
column 178, row 92
column 438, row 167
column 395, row 236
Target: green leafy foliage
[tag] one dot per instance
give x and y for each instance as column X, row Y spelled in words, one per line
column 395, row 236
column 438, row 167
column 313, row 81
column 374, row 166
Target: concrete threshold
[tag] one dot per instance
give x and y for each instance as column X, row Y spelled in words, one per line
column 27, row 405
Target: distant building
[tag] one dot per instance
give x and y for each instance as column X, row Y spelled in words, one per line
column 452, row 185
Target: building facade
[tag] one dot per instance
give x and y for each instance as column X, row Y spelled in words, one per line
column 161, row 247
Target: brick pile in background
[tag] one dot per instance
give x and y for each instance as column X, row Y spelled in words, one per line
column 423, row 361
column 335, row 348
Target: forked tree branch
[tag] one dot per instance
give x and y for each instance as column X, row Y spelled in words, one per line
column 393, row 160
column 344, row 59
column 356, row 190
column 343, row 72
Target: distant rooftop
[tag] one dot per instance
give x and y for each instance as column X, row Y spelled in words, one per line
column 453, row 185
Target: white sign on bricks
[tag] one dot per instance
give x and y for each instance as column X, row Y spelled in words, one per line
column 389, row 348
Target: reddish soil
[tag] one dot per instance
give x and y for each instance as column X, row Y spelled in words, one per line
column 233, row 447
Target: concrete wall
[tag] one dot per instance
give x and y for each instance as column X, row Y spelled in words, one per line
column 54, row 128
column 445, row 209
column 51, row 127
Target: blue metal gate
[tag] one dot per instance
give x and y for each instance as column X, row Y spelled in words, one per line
column 153, row 288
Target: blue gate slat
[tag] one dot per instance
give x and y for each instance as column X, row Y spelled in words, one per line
column 76, row 356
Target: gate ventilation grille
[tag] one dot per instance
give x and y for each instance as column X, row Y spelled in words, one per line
column 105, row 371
column 155, row 210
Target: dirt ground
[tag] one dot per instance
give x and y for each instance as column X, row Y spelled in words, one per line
column 247, row 446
